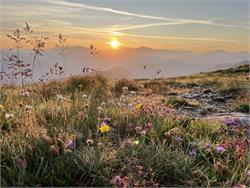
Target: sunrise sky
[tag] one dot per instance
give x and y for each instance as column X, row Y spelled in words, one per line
column 195, row 25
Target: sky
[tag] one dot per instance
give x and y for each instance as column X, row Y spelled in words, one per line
column 192, row 25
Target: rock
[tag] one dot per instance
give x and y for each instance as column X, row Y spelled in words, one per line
column 230, row 96
column 171, row 94
column 245, row 121
column 243, row 118
column 219, row 99
column 207, row 90
column 192, row 111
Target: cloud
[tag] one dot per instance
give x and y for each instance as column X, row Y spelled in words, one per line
column 132, row 27
column 144, row 16
column 177, row 38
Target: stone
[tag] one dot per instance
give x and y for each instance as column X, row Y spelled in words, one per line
column 245, row 121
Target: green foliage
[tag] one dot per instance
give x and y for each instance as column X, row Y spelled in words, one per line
column 132, row 86
column 177, row 102
column 86, row 83
column 233, row 88
column 242, row 107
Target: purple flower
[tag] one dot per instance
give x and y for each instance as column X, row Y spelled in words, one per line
column 148, row 126
column 220, row 149
column 192, row 153
column 118, row 181
column 207, row 146
column 106, row 120
column 71, row 145
column 248, row 173
column 231, row 122
column 178, row 139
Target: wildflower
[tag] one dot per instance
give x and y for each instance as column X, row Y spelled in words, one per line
column 28, row 107
column 1, row 107
column 178, row 139
column 192, row 153
column 84, row 96
column 136, row 142
column 60, row 97
column 248, row 173
column 25, row 94
column 106, row 120
column 104, row 128
column 118, row 181
column 81, row 114
column 220, row 149
column 143, row 132
column 71, row 144
column 99, row 109
column 130, row 105
column 132, row 92
column 138, row 129
column 208, row 145
column 130, row 125
column 149, row 125
column 125, row 90
column 53, row 150
column 89, row 142
column 47, row 139
column 23, row 163
column 232, row 122
column 128, row 142
column 138, row 106
column 9, row 116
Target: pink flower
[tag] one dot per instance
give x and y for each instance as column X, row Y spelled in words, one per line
column 118, row 181
column 23, row 163
column 148, row 126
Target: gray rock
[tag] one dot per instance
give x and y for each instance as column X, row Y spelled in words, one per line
column 245, row 121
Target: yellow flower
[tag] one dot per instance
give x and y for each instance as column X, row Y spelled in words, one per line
column 104, row 128
column 1, row 107
column 136, row 142
column 138, row 106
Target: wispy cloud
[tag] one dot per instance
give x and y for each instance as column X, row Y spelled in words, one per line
column 137, row 15
column 132, row 27
column 177, row 38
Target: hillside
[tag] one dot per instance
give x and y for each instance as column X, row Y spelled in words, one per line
column 88, row 131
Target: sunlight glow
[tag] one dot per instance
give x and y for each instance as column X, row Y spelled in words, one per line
column 115, row 43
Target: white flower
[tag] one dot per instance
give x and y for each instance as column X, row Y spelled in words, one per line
column 9, row 116
column 60, row 97
column 84, row 96
column 25, row 94
column 99, row 108
column 124, row 90
column 130, row 105
column 132, row 92
column 28, row 107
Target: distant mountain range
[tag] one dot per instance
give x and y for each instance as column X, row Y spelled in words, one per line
column 135, row 63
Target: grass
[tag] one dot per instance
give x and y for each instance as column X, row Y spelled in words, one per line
column 177, row 102
column 58, row 142
column 242, row 107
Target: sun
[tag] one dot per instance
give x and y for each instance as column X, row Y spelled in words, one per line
column 115, row 43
